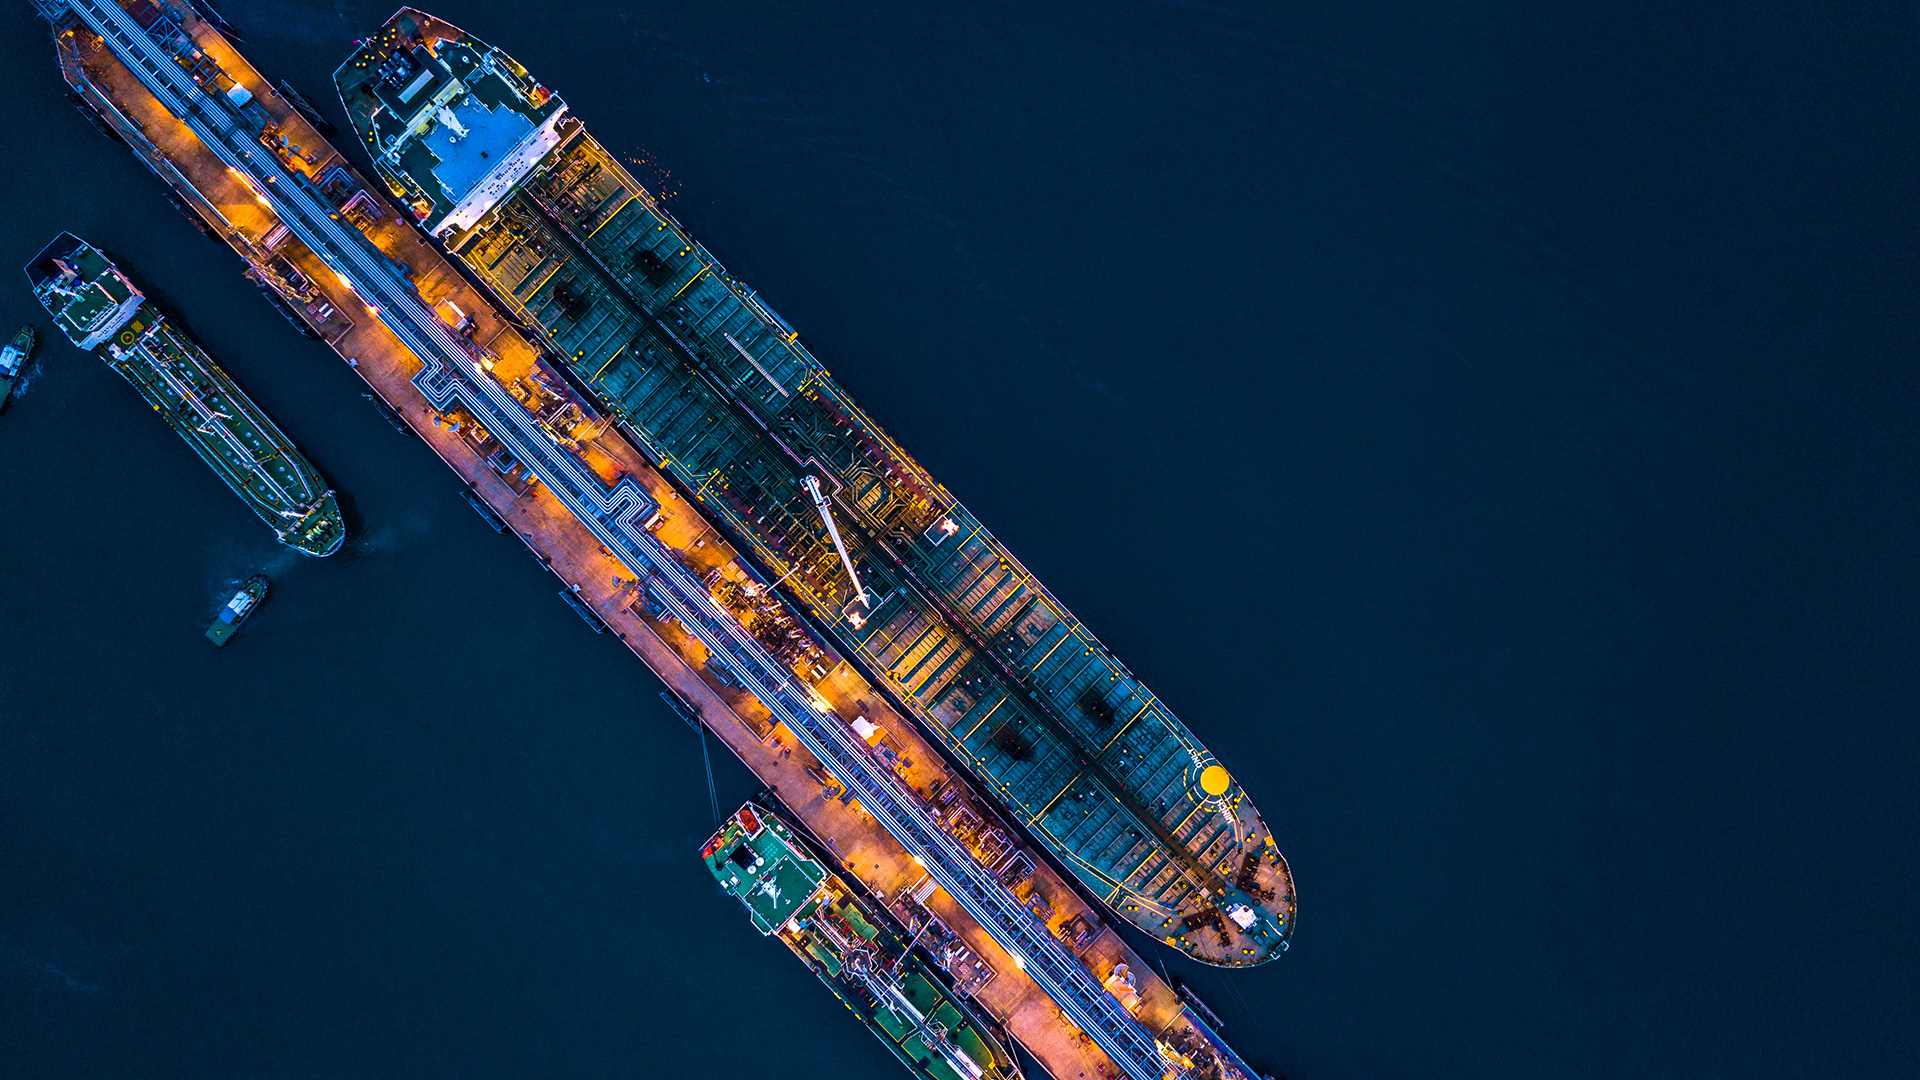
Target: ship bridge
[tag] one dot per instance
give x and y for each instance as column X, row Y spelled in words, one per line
column 453, row 373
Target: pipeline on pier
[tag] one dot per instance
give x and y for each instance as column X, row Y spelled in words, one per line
column 454, row 373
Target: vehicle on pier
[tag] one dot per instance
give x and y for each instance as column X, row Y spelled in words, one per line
column 252, row 591
column 883, row 559
column 855, row 949
column 13, row 362
column 99, row 308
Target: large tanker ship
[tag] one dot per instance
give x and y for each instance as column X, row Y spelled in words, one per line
column 725, row 397
column 98, row 308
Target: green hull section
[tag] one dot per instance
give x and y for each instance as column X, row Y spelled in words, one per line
column 100, row 309
column 854, row 949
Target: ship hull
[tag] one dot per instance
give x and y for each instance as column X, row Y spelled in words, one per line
column 739, row 413
column 100, row 309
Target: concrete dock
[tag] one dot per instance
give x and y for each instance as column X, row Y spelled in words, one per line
column 614, row 591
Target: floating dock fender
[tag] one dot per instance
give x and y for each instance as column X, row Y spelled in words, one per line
column 205, row 8
column 193, row 216
column 393, row 418
column 680, row 709
column 285, row 309
column 582, row 610
column 305, row 108
column 486, row 512
column 93, row 117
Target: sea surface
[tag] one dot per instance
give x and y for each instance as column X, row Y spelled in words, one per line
column 1492, row 427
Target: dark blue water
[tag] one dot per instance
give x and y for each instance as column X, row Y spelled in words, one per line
column 1491, row 427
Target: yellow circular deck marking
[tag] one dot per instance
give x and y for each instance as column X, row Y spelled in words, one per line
column 1214, row 780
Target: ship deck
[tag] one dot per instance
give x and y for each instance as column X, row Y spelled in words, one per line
column 197, row 398
column 228, row 207
column 736, row 410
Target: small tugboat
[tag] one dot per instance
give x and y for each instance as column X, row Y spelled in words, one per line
column 13, row 361
column 237, row 609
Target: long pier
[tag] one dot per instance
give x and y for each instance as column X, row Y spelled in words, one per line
column 455, row 371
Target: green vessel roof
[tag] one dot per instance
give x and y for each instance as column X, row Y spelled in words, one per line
column 763, row 870
column 93, row 301
column 853, row 949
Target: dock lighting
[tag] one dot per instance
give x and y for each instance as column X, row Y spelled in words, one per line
column 858, row 620
column 949, row 527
